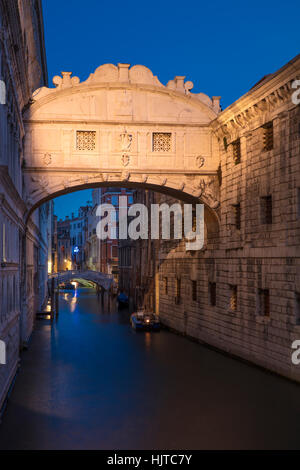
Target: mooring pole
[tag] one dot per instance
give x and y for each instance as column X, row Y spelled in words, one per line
column 57, row 300
column 52, row 299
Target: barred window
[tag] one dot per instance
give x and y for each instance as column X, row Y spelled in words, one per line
column 264, row 302
column 178, row 291
column 233, row 298
column 236, row 149
column 194, row 291
column 213, row 293
column 237, row 215
column 266, row 210
column 162, row 142
column 85, row 140
column 268, row 139
column 166, row 285
column 297, row 308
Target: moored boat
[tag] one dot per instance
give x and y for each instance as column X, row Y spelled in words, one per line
column 144, row 321
column 123, row 301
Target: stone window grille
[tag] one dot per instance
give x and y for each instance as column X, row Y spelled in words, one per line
column 162, row 142
column 236, row 151
column 194, row 291
column 86, row 140
column 266, row 210
column 213, row 293
column 237, row 215
column 297, row 308
column 268, row 137
column 233, row 298
column 264, row 302
column 178, row 291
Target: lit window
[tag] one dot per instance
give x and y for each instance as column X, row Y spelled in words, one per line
column 233, row 298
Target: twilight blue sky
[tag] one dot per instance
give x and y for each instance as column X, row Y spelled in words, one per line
column 223, row 47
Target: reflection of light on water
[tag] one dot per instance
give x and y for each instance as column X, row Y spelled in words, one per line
column 147, row 339
column 66, row 296
column 74, row 301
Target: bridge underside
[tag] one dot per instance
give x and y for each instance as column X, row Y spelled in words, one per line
column 106, row 281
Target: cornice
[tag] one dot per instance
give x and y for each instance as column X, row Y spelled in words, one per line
column 84, row 87
column 266, row 97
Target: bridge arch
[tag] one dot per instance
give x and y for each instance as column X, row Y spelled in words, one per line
column 103, row 280
column 122, row 127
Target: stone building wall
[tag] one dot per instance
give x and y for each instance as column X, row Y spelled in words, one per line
column 240, row 293
column 22, row 69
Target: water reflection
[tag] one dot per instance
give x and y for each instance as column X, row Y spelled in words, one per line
column 118, row 389
column 74, row 301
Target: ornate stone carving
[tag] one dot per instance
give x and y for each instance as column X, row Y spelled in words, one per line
column 66, row 81
column 125, row 176
column 208, row 189
column 125, row 159
column 85, row 140
column 200, row 161
column 38, row 185
column 126, row 141
column 47, row 159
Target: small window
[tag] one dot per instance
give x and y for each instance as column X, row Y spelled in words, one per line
column 178, row 291
column 233, row 298
column 236, row 149
column 268, row 136
column 297, row 308
column 264, row 302
column 166, row 285
column 194, row 291
column 237, row 215
column 266, row 210
column 213, row 293
column 162, row 142
column 85, row 140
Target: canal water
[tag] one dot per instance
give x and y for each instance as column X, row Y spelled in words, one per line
column 91, row 382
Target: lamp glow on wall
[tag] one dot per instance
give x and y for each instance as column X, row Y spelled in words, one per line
column 49, row 267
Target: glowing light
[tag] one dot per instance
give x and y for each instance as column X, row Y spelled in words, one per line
column 49, row 267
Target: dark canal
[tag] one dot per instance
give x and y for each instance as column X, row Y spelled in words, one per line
column 90, row 382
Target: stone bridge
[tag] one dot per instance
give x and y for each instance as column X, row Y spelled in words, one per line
column 104, row 280
column 122, row 127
